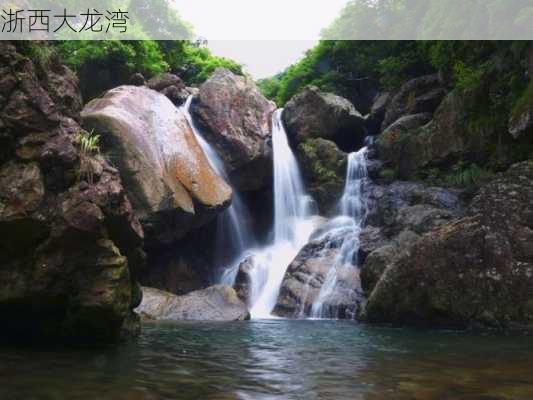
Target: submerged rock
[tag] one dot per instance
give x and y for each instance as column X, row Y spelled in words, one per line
column 475, row 271
column 216, row 303
column 71, row 245
column 168, row 178
column 236, row 119
column 317, row 114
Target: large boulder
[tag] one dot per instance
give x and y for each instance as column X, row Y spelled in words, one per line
column 216, row 303
column 324, row 168
column 168, row 178
column 236, row 118
column 397, row 215
column 475, row 271
column 448, row 137
column 71, row 246
column 317, row 114
column 321, row 266
column 419, row 95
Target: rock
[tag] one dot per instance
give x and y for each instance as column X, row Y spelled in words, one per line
column 377, row 112
column 170, row 182
column 475, row 271
column 409, row 205
column 408, row 122
column 70, row 248
column 324, row 168
column 397, row 214
column 316, row 114
column 441, row 142
column 137, row 79
column 306, row 275
column 243, row 280
column 236, row 119
column 419, row 95
column 163, row 81
column 176, row 95
column 180, row 269
column 370, row 239
column 216, row 303
column 375, row 264
column 521, row 120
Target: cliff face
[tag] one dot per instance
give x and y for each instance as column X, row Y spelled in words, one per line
column 71, row 245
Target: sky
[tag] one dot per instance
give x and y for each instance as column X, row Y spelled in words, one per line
column 264, row 36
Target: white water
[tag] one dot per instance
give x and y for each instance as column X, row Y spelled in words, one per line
column 293, row 225
column 351, row 205
column 233, row 234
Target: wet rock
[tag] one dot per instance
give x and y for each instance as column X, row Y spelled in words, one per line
column 419, row 95
column 375, row 264
column 216, row 303
column 171, row 184
column 236, row 119
column 317, row 114
column 477, row 270
column 243, row 280
column 306, row 275
column 324, row 168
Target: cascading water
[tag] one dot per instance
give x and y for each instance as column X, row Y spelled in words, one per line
column 293, row 225
column 233, row 234
column 351, row 205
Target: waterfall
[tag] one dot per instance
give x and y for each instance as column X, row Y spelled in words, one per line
column 233, row 236
column 351, row 205
column 292, row 225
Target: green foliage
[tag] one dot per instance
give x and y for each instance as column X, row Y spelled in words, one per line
column 342, row 66
column 524, row 102
column 468, row 175
column 388, row 174
column 88, row 143
column 467, row 78
column 136, row 56
column 270, row 87
column 41, row 54
column 117, row 60
column 196, row 63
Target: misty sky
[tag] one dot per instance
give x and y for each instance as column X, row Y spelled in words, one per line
column 265, row 36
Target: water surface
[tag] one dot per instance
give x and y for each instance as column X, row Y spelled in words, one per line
column 277, row 359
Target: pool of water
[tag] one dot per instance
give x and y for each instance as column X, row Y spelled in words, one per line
column 277, row 359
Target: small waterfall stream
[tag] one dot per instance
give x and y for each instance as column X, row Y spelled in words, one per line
column 352, row 206
column 233, row 236
column 293, row 225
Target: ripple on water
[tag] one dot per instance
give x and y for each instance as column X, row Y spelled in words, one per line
column 277, row 359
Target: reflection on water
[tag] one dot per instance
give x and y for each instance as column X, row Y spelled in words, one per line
column 278, row 359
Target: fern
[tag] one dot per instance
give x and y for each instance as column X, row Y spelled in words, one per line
column 89, row 145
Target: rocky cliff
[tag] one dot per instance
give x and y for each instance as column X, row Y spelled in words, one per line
column 71, row 244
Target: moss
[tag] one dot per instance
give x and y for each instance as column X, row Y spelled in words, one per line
column 388, row 174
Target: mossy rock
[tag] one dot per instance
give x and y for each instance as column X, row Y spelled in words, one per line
column 324, row 168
